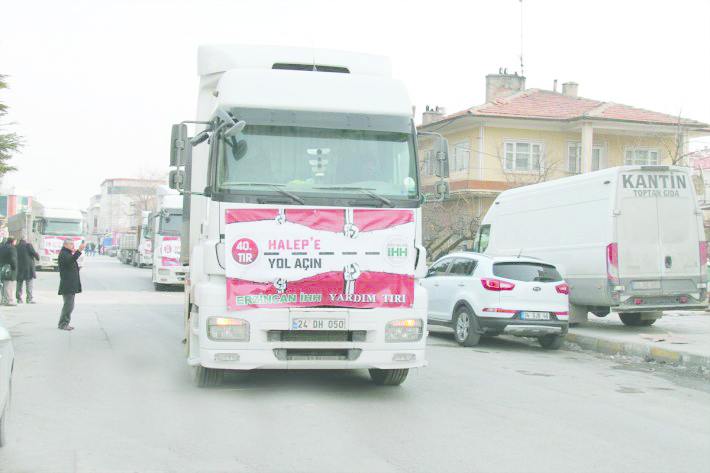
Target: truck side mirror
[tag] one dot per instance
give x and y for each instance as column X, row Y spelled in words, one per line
column 441, row 157
column 178, row 145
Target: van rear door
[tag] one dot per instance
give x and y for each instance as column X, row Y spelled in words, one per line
column 679, row 235
column 657, row 229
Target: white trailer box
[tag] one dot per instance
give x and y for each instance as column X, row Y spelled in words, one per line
column 630, row 239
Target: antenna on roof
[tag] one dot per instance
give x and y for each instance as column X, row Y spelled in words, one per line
column 521, row 39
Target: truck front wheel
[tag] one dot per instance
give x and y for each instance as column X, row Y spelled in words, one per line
column 207, row 377
column 388, row 377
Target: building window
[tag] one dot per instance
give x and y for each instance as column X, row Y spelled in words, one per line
column 641, row 156
column 427, row 165
column 461, row 154
column 574, row 158
column 523, row 156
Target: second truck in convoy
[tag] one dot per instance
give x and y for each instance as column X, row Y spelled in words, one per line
column 163, row 229
column 302, row 213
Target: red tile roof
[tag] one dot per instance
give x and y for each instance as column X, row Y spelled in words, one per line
column 547, row 105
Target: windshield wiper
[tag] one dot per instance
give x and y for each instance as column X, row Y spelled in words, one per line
column 364, row 190
column 272, row 186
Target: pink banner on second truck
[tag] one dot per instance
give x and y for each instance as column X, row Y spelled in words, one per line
column 319, row 257
column 170, row 251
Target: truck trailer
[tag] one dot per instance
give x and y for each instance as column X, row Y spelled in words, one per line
column 302, row 215
column 134, row 246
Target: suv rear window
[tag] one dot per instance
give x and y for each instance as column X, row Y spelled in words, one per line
column 526, row 271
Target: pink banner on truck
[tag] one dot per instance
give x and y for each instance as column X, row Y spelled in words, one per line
column 170, row 251
column 53, row 244
column 319, row 257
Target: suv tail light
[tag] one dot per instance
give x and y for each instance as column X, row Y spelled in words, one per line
column 497, row 285
column 612, row 263
column 563, row 288
column 703, row 261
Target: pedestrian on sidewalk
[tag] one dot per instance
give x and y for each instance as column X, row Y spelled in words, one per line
column 26, row 256
column 69, row 281
column 8, row 271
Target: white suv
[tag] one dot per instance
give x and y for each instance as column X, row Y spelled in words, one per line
column 477, row 294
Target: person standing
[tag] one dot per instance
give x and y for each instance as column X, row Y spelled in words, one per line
column 26, row 256
column 69, row 281
column 8, row 270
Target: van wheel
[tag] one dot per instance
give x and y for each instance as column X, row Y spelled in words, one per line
column 633, row 319
column 388, row 377
column 466, row 327
column 551, row 342
column 207, row 377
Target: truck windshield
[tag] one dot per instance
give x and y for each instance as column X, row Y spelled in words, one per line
column 62, row 227
column 317, row 161
column 172, row 224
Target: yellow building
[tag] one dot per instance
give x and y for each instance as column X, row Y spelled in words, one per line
column 524, row 136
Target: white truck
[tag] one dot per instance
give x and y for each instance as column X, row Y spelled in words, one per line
column 47, row 228
column 303, row 220
column 164, row 229
column 135, row 247
column 630, row 239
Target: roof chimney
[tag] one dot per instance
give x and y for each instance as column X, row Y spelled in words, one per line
column 433, row 114
column 570, row 89
column 503, row 84
column 554, row 86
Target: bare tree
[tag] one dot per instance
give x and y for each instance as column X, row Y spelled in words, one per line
column 450, row 223
column 142, row 196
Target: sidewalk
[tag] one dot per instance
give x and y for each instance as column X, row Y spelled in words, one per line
column 679, row 337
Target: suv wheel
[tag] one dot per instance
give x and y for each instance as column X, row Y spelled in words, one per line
column 466, row 327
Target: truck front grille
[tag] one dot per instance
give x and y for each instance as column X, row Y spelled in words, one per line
column 285, row 354
column 316, row 336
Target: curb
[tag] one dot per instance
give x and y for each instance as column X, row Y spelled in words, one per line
column 648, row 353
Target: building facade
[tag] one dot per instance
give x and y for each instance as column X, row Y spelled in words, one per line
column 524, row 136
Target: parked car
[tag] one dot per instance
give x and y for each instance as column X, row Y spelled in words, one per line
column 112, row 250
column 477, row 294
column 7, row 359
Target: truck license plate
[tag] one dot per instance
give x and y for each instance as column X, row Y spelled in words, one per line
column 535, row 315
column 647, row 284
column 318, row 324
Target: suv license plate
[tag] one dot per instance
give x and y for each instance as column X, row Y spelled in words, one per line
column 318, row 324
column 535, row 315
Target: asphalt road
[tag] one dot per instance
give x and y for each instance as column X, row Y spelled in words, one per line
column 115, row 395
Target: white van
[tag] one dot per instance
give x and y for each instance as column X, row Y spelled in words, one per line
column 629, row 239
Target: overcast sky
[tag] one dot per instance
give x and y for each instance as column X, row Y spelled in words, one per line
column 95, row 85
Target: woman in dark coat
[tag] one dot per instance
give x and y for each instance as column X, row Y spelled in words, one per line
column 26, row 256
column 8, row 270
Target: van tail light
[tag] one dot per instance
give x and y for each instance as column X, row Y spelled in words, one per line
column 612, row 263
column 703, row 261
column 497, row 285
column 563, row 288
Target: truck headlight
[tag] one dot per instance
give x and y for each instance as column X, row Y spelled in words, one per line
column 406, row 330
column 225, row 328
